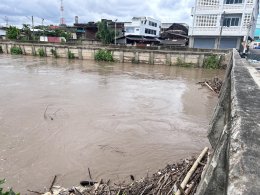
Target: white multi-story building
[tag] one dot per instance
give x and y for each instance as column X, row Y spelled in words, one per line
column 143, row 26
column 223, row 23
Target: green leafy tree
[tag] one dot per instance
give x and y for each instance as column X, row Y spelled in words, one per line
column 12, row 32
column 104, row 34
column 27, row 31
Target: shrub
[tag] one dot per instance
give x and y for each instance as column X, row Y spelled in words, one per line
column 9, row 192
column 211, row 62
column 104, row 55
column 41, row 52
column 1, row 49
column 54, row 53
column 16, row 50
column 134, row 61
column 71, row 55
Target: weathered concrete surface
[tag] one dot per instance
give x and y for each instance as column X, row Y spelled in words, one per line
column 132, row 55
column 244, row 152
column 235, row 137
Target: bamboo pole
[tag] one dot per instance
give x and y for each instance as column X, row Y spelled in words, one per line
column 191, row 171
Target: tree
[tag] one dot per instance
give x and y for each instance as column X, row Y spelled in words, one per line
column 12, row 32
column 27, row 31
column 104, row 34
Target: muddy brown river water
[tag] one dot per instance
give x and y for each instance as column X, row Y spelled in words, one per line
column 61, row 117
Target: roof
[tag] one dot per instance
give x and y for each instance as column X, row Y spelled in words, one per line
column 140, row 38
column 175, row 42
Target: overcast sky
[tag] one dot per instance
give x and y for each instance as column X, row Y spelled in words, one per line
column 20, row 11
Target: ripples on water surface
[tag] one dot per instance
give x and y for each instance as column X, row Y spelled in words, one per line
column 61, row 117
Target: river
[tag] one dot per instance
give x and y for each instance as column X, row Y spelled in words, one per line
column 61, row 117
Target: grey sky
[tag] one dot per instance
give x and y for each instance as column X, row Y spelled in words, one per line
column 20, row 11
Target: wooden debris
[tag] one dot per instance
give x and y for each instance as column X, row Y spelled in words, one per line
column 214, row 84
column 52, row 183
column 180, row 178
column 193, row 168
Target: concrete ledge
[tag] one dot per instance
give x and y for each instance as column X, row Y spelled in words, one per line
column 244, row 153
column 234, row 168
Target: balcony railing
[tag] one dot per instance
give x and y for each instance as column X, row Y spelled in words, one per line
column 233, row 6
column 215, row 31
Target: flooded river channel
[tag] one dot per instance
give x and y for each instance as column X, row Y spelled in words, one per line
column 61, row 117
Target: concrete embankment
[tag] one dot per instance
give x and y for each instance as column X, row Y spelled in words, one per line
column 234, row 135
column 123, row 55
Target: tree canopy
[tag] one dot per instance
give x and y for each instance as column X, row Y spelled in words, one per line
column 104, row 34
column 12, row 32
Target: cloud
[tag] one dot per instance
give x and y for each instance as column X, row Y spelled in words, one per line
column 20, row 11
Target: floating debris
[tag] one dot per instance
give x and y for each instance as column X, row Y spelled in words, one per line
column 180, row 178
column 214, row 84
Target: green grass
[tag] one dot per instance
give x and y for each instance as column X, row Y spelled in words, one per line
column 211, row 62
column 16, row 50
column 9, row 192
column 104, row 55
column 71, row 55
column 182, row 63
column 41, row 52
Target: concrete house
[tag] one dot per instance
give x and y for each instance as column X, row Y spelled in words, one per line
column 223, row 23
column 141, row 31
column 143, row 26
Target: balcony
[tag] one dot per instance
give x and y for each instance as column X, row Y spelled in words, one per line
column 215, row 31
column 233, row 6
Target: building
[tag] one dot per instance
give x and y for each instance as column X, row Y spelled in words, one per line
column 175, row 35
column 257, row 30
column 86, row 31
column 2, row 32
column 223, row 23
column 143, row 26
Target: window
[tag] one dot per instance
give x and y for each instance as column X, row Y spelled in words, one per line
column 150, row 31
column 129, row 30
column 231, row 22
column 208, row 2
column 206, row 20
column 233, row 1
column 152, row 24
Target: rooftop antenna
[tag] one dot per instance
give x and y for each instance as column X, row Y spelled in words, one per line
column 62, row 22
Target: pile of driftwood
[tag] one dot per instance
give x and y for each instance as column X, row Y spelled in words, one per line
column 179, row 179
column 214, row 84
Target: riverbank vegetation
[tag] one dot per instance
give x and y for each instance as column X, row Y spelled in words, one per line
column 41, row 52
column 212, row 62
column 15, row 50
column 71, row 55
column 181, row 63
column 104, row 55
column 9, row 192
column 54, row 53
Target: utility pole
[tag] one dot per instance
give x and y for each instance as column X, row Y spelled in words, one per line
column 33, row 27
column 221, row 29
column 115, row 31
column 43, row 26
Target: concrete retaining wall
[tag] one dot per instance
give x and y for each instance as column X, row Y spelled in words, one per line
column 234, row 134
column 120, row 54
